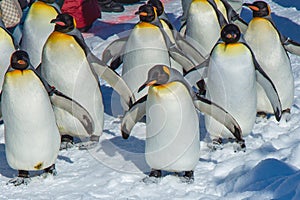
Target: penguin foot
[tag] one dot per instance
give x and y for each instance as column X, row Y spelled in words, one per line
column 22, row 179
column 188, row 177
column 66, row 145
column 153, row 177
column 217, row 144
column 88, row 145
column 286, row 115
column 49, row 170
column 67, row 142
column 239, row 146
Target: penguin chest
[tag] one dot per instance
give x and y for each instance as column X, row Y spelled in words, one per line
column 202, row 26
column 231, row 84
column 172, row 136
column 65, row 66
column 272, row 57
column 31, row 136
column 145, row 48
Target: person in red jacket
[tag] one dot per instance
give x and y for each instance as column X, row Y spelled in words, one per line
column 85, row 12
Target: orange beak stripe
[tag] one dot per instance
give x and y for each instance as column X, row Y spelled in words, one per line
column 254, row 8
column 21, row 62
column 151, row 83
column 144, row 14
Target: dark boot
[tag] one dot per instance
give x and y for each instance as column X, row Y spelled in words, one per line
column 110, row 6
column 153, row 177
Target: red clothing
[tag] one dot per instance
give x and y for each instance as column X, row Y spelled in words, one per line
column 85, row 12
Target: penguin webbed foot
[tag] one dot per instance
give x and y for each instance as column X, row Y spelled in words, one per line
column 22, row 179
column 216, row 144
column 286, row 115
column 49, row 171
column 154, row 177
column 188, row 177
column 239, row 146
column 88, row 145
column 67, row 142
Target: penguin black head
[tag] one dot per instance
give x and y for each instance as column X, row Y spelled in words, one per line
column 19, row 60
column 63, row 23
column 230, row 33
column 158, row 5
column 259, row 8
column 48, row 1
column 157, row 75
column 147, row 13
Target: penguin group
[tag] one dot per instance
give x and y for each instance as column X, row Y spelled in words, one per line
column 216, row 63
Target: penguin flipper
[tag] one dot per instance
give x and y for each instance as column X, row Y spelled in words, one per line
column 219, row 114
column 64, row 102
column 180, row 58
column 114, row 49
column 271, row 92
column 132, row 116
column 189, row 50
column 292, row 47
column 112, row 78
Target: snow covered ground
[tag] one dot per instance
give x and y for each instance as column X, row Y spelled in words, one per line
column 269, row 169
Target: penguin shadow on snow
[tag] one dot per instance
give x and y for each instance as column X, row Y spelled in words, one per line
column 287, row 27
column 5, row 169
column 288, row 3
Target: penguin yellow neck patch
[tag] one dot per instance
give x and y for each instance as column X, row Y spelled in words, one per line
column 145, row 25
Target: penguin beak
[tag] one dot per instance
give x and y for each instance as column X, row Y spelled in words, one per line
column 21, row 62
column 57, row 21
column 148, row 83
column 251, row 6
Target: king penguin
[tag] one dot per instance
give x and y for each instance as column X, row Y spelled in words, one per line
column 172, row 123
column 69, row 64
column 144, row 48
column 265, row 41
column 32, row 138
column 231, row 83
column 37, row 28
column 7, row 48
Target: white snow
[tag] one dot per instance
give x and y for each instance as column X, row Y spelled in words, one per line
column 269, row 169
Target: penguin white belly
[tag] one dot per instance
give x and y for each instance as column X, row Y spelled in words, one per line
column 67, row 68
column 202, row 27
column 231, row 84
column 172, row 130
column 37, row 28
column 32, row 139
column 273, row 59
column 7, row 48
column 145, row 48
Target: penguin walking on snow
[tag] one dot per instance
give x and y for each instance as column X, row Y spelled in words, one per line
column 37, row 28
column 232, row 76
column 69, row 64
column 172, row 124
column 32, row 138
column 265, row 41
